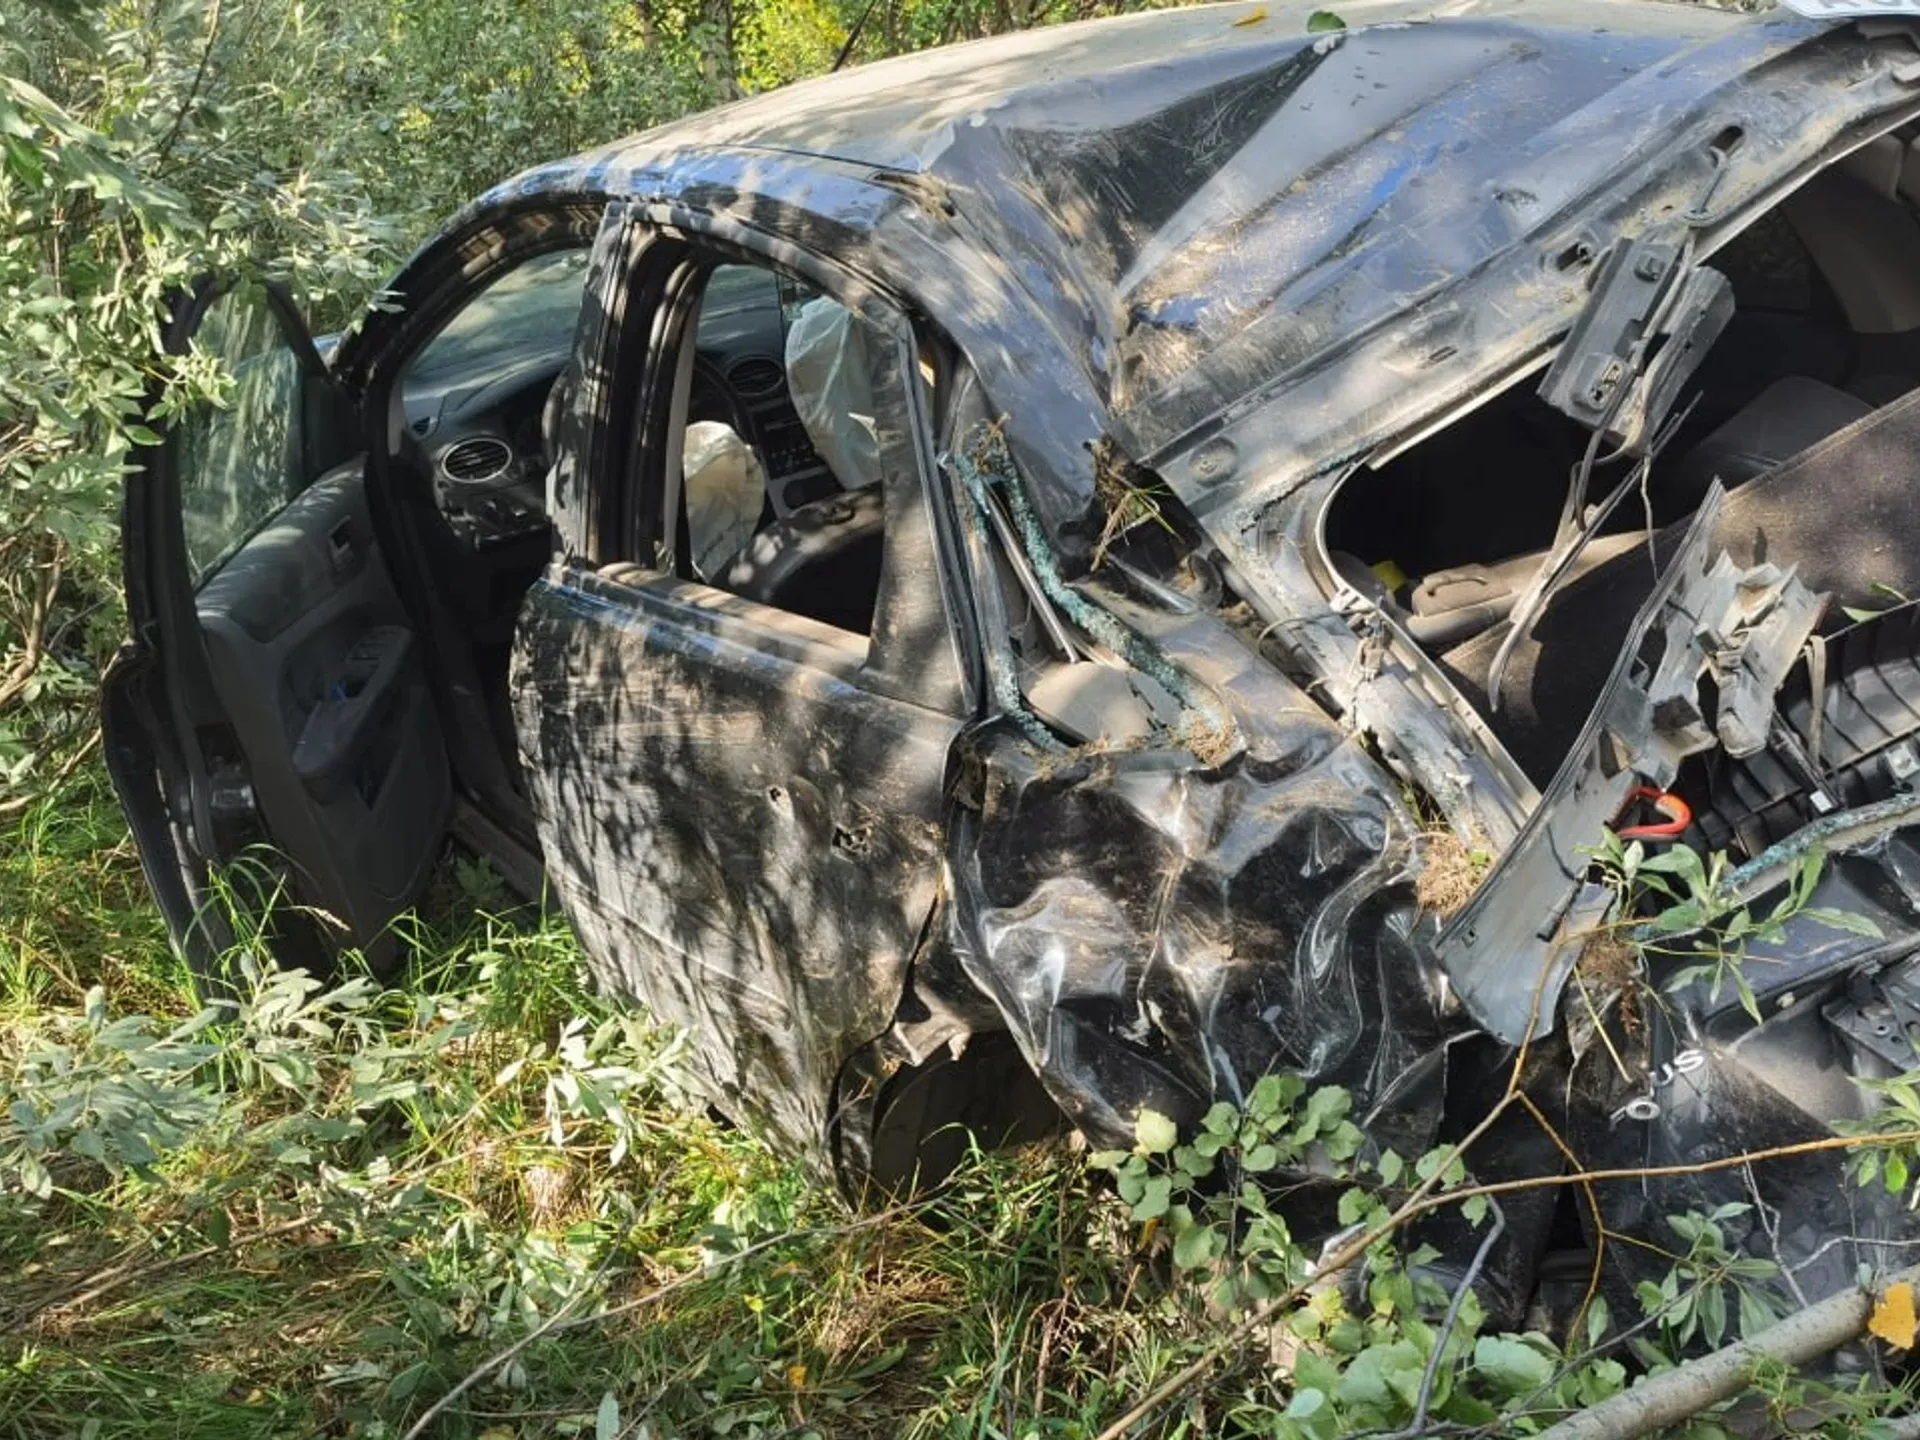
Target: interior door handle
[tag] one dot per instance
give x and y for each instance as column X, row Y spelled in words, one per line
column 341, row 548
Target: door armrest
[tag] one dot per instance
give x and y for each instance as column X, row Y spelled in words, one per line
column 342, row 725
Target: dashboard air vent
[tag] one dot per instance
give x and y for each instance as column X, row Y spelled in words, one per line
column 476, row 460
column 757, row 377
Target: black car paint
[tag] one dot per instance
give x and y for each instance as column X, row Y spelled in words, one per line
column 1249, row 258
column 1152, row 928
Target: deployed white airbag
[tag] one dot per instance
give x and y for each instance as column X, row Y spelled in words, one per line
column 725, row 490
column 830, row 352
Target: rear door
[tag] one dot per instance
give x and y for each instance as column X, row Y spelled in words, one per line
column 269, row 722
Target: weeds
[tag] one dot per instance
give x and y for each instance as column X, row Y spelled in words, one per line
column 1697, row 919
column 1450, row 871
column 324, row 1206
column 475, row 1202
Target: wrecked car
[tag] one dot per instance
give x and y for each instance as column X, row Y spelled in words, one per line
column 992, row 586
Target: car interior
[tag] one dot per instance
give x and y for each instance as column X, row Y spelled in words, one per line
column 780, row 462
column 1803, row 409
column 772, row 378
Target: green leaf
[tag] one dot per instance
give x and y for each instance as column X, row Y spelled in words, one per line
column 1306, row 1404
column 1806, row 875
column 1511, row 1363
column 1309, row 1413
column 1687, row 915
column 1265, row 1099
column 1680, row 860
column 1382, row 1374
column 1154, row 1198
column 1154, row 1133
column 1194, row 1247
column 1192, row 1164
column 1474, row 1208
column 606, row 1419
column 1321, row 21
column 1343, row 1141
column 1314, row 1371
column 1755, row 1315
column 881, row 1363
column 23, row 159
column 408, row 1380
column 1844, row 920
column 1325, row 1107
column 1713, row 1314
column 1598, row 1318
column 1869, row 1168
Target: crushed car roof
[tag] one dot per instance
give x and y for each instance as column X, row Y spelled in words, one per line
column 1231, row 60
column 1160, row 219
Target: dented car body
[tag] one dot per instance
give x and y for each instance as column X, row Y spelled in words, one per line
column 1255, row 470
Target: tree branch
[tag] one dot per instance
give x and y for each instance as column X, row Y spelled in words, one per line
column 193, row 91
column 1687, row 1389
column 1423, row 1200
column 35, row 631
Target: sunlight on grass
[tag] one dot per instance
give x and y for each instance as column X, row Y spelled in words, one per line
column 318, row 1211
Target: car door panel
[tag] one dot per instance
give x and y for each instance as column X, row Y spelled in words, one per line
column 747, row 837
column 271, row 691
column 314, row 667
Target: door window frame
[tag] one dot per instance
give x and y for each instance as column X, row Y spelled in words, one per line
column 452, row 269
column 627, row 423
column 436, row 284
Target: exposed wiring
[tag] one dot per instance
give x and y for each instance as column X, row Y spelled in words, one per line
column 1679, row 815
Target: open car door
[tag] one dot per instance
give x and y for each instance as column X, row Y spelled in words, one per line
column 270, row 718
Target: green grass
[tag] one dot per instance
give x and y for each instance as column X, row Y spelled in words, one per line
column 381, row 1188
column 74, row 910
column 478, row 1196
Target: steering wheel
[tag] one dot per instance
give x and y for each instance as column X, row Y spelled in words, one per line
column 822, row 561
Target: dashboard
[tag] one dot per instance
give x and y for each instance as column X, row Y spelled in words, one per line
column 740, row 379
column 475, row 398
column 481, row 433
